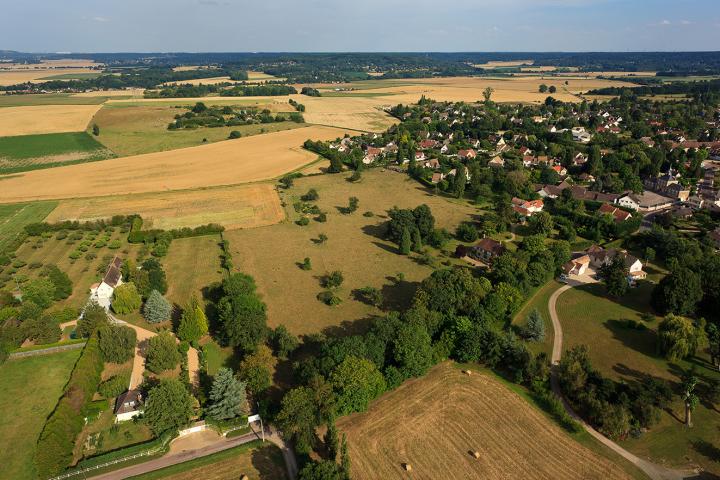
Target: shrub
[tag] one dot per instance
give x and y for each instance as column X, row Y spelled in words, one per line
column 126, row 299
column 234, row 134
column 303, row 221
column 61, row 281
column 162, row 353
column 328, row 297
column 114, row 386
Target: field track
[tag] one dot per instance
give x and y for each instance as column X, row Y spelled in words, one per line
column 434, row 423
column 249, row 159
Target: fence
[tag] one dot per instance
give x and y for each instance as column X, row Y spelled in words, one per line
column 47, row 351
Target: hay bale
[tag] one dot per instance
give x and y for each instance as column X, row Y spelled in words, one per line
column 407, row 467
column 467, row 372
column 244, row 477
column 476, row 454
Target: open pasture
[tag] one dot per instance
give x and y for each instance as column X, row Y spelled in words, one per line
column 435, row 423
column 242, row 206
column 137, row 128
column 29, row 390
column 355, row 246
column 33, row 120
column 192, row 264
column 250, row 159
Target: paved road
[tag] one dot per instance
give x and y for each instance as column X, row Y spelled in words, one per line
column 652, row 470
column 173, row 459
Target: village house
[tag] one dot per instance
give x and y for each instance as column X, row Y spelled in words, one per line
column 527, row 208
column 467, row 154
column 102, row 293
column 486, row 250
column 618, row 214
column 600, row 257
column 562, row 171
column 128, row 406
column 433, row 163
column 578, row 265
column 497, row 162
column 581, row 135
column 428, row 144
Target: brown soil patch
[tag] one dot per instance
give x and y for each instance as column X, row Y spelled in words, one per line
column 435, row 424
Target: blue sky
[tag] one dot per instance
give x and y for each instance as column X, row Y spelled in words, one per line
column 359, row 25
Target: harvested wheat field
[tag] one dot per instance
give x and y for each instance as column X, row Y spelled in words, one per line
column 242, row 206
column 438, row 422
column 249, row 159
column 34, row 120
column 37, row 75
column 357, row 113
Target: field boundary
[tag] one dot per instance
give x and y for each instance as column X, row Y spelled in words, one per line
column 47, row 351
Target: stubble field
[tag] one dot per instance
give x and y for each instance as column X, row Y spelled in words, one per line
column 243, row 206
column 436, row 422
column 32, row 120
column 230, row 162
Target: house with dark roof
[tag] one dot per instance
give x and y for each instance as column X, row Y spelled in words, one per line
column 486, row 250
column 102, row 292
column 128, row 405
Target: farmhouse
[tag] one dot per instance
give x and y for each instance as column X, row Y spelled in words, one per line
column 102, row 292
column 128, row 405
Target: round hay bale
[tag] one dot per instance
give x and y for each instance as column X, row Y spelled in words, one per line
column 244, row 477
column 476, row 454
column 467, row 372
column 407, row 467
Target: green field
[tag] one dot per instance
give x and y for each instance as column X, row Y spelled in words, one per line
column 132, row 130
column 28, row 152
column 539, row 300
column 254, row 459
column 50, row 99
column 355, row 245
column 72, row 76
column 14, row 217
column 29, row 390
column 191, row 265
column 591, row 318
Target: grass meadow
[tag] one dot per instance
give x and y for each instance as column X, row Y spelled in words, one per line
column 50, row 99
column 191, row 265
column 355, row 246
column 29, row 389
column 592, row 318
column 136, row 129
column 30, row 152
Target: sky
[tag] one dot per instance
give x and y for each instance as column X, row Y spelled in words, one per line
column 360, row 25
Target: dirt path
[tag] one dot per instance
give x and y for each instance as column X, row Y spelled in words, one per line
column 194, row 367
column 652, row 470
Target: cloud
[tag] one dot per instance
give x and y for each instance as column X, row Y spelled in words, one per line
column 100, row 19
column 685, row 22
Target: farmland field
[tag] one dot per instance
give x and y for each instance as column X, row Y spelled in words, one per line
column 26, row 152
column 137, row 128
column 29, row 388
column 242, row 206
column 52, row 99
column 72, row 76
column 39, row 119
column 14, row 217
column 436, row 422
column 12, row 77
column 250, row 159
column 255, row 460
column 356, row 113
column 191, row 265
column 355, row 246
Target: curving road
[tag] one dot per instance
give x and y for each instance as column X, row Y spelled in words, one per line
column 652, row 470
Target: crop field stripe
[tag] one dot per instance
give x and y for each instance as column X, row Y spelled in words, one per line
column 32, row 146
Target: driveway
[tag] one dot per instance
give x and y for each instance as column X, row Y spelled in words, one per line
column 652, row 470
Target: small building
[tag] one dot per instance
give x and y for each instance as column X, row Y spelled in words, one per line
column 527, row 208
column 128, row 405
column 487, row 249
column 467, row 154
column 497, row 162
column 618, row 214
column 102, row 293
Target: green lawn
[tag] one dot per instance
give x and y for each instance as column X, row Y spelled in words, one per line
column 33, row 146
column 142, row 128
column 539, row 300
column 254, row 459
column 72, row 76
column 29, row 390
column 14, row 217
column 216, row 356
column 591, row 318
column 29, row 152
